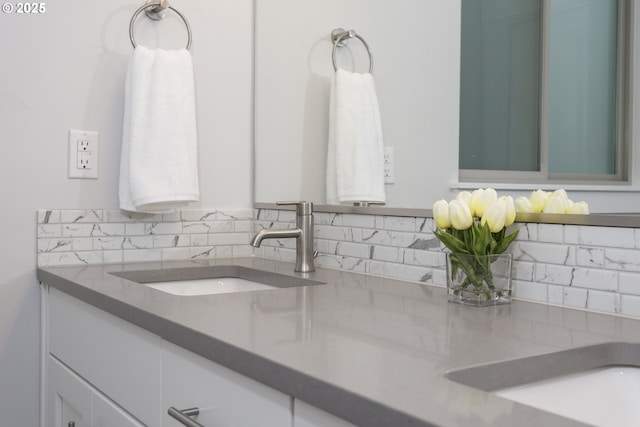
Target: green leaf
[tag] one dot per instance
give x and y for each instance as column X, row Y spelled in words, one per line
column 503, row 245
column 469, row 239
column 482, row 239
column 476, row 240
column 487, row 239
column 451, row 242
column 499, row 235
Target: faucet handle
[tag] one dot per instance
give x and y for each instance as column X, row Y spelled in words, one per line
column 302, row 207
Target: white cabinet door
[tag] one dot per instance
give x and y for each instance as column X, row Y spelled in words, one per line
column 72, row 402
column 69, row 398
column 108, row 414
column 224, row 397
column 305, row 415
column 116, row 357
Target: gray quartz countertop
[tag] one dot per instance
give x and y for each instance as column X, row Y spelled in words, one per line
column 371, row 350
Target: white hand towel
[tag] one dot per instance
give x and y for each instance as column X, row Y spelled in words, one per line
column 159, row 157
column 355, row 152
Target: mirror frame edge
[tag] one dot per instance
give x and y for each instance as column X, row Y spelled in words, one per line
column 601, row 220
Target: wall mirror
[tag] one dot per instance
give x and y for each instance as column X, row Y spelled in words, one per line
column 416, row 49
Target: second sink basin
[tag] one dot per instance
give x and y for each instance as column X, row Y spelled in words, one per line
column 598, row 384
column 208, row 280
column 604, row 397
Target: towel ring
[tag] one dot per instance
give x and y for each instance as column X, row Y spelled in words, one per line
column 156, row 5
column 338, row 36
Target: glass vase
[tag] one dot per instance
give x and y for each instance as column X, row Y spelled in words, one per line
column 479, row 280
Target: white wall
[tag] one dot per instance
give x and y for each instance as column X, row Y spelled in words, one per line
column 64, row 69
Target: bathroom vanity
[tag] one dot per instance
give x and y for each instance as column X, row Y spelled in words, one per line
column 96, row 359
column 351, row 350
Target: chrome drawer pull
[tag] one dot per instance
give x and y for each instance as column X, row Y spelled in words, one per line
column 184, row 416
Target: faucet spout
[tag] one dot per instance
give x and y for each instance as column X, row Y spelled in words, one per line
column 274, row 234
column 303, row 233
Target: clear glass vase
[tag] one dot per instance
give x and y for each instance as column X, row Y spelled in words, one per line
column 479, row 280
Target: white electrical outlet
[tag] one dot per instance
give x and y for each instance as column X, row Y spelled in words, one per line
column 83, row 154
column 85, row 145
column 389, row 177
column 85, row 161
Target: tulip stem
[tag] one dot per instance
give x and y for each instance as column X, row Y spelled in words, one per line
column 475, row 274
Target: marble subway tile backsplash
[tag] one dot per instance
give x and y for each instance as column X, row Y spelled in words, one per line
column 75, row 237
column 587, row 267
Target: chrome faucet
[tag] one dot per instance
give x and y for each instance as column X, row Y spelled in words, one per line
column 303, row 233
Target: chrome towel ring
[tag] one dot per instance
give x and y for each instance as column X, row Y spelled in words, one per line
column 154, row 11
column 338, row 36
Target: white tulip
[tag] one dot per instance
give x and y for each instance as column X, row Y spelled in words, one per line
column 495, row 216
column 568, row 206
column 460, row 215
column 475, row 196
column 580, row 208
column 555, row 204
column 484, row 201
column 522, row 204
column 538, row 199
column 465, row 196
column 565, row 199
column 510, row 209
column 441, row 214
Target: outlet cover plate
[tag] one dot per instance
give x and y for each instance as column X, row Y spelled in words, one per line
column 389, row 169
column 83, row 154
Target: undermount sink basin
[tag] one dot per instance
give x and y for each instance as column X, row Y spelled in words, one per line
column 598, row 385
column 208, row 280
column 219, row 285
column 601, row 397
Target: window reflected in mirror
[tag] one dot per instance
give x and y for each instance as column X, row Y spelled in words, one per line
column 543, row 86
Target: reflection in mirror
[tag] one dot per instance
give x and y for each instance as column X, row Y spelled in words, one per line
column 542, row 88
column 416, row 47
column 416, row 52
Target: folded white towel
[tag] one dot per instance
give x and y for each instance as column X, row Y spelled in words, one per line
column 355, row 152
column 159, row 157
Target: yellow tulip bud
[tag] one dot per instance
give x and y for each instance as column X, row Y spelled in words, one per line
column 484, row 201
column 495, row 217
column 580, row 208
column 441, row 214
column 522, row 204
column 555, row 204
column 460, row 215
column 510, row 210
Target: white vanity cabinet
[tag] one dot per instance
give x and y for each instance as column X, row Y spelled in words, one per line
column 119, row 359
column 75, row 403
column 106, row 372
column 69, row 397
column 305, row 415
column 223, row 397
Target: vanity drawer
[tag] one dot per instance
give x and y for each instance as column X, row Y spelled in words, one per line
column 223, row 397
column 120, row 359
